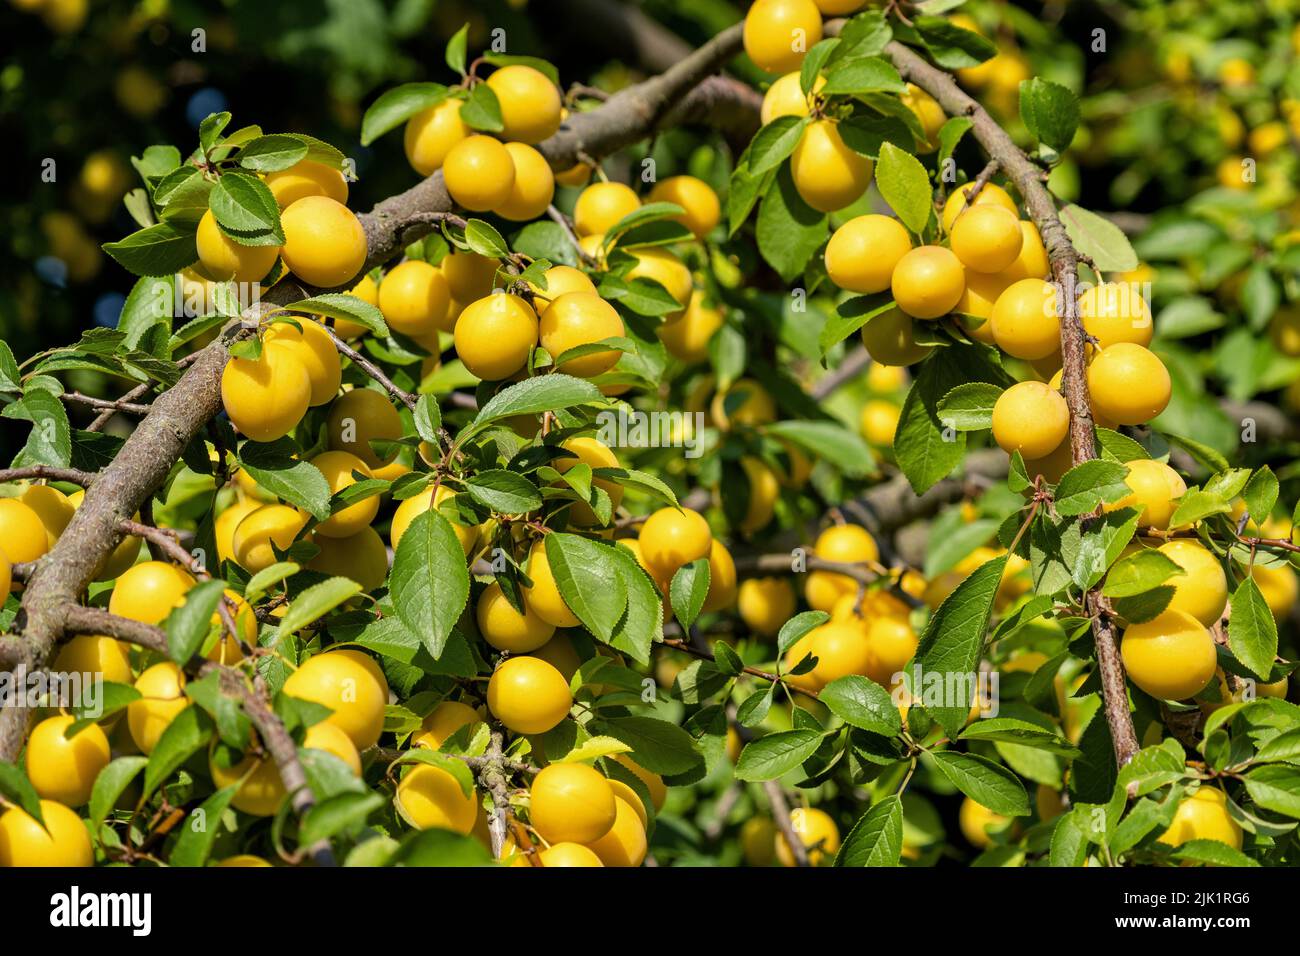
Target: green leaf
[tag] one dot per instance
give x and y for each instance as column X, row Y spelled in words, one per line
column 246, row 210
column 1252, row 631
column 504, row 492
column 315, row 602
column 1275, row 787
column 430, row 581
column 812, row 63
column 862, row 703
column 1196, row 505
column 589, row 582
column 188, row 625
column 657, row 745
column 484, row 239
column 1070, row 838
column 925, row 449
column 1099, row 239
column 1260, row 494
column 200, row 829
column 210, row 128
column 642, row 624
column 267, row 578
column 273, row 466
column 543, row 393
column 428, row 418
column 689, row 588
column 185, row 736
column 268, row 154
column 1139, row 573
column 1084, row 487
column 905, row 185
column 1050, row 112
column 829, row 441
column 1212, row 853
column 776, row 754
column 877, row 838
column 952, row 47
column 1020, row 732
column 50, row 440
column 110, row 784
column 343, row 305
column 340, row 812
column 775, row 142
column 482, row 110
column 18, row 790
column 950, row 135
column 160, row 250
column 969, row 407
column 789, row 231
column 795, row 628
column 394, row 107
column 953, row 638
column 851, row 315
column 10, row 377
column 1121, row 448
column 440, row 848
column 862, row 74
column 455, row 51
column 989, row 784
column 1153, row 767
column 1204, row 454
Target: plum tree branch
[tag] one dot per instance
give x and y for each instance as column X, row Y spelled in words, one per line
column 1064, row 261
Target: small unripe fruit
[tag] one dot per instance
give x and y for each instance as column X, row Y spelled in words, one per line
column 479, row 173
column 495, row 334
column 414, row 298
column 571, row 802
column 530, row 103
column 778, row 33
column 1129, row 384
column 1115, row 312
column 315, row 351
column 703, row 211
column 324, row 243
column 862, row 253
column 889, row 340
column 987, row 238
column 431, row 134
column 533, row 187
column 1171, row 657
column 352, row 685
column 222, row 258
column 816, row 831
column 1156, row 490
column 576, row 319
column 1024, row 320
column 528, row 695
column 602, row 205
column 928, row 282
column 306, row 178
column 1031, row 418
column 828, row 175
column 671, row 538
column 358, row 417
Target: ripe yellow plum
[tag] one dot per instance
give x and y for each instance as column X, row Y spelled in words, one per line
column 1170, row 657
column 1129, row 384
column 778, row 33
column 1156, row 490
column 262, row 533
column 828, row 175
column 987, row 238
column 222, row 259
column 1031, row 418
column 414, row 298
column 765, row 604
column 671, row 538
column 495, row 334
column 266, row 397
column 595, row 454
column 576, row 319
column 862, row 253
column 530, row 103
column 359, row 417
column 352, row 685
column 533, row 187
column 688, row 338
column 702, row 212
column 1203, row 816
column 324, row 243
column 148, row 591
column 602, row 205
column 992, row 194
column 816, row 831
column 1114, row 312
column 928, row 281
column 1202, row 591
column 62, row 768
column 22, row 534
column 528, row 695
column 544, row 596
column 63, row 841
column 1024, row 321
column 431, row 133
column 505, row 628
column 430, row 797
column 306, row 178
column 162, row 689
column 571, row 802
column 479, row 173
